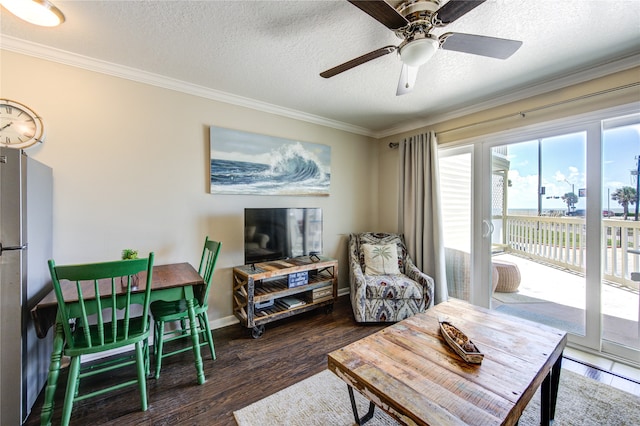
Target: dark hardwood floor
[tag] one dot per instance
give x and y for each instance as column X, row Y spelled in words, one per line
column 245, row 371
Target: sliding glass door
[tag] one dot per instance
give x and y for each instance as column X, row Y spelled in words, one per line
column 456, row 171
column 621, row 236
column 535, row 226
column 538, row 215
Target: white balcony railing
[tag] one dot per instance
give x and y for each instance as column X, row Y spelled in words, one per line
column 562, row 241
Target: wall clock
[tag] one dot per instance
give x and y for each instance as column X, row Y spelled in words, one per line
column 20, row 126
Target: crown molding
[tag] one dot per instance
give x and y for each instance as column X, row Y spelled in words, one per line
column 555, row 83
column 40, row 51
column 91, row 64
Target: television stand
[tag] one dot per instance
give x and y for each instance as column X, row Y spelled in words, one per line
column 269, row 291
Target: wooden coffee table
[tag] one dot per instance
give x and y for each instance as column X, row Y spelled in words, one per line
column 409, row 371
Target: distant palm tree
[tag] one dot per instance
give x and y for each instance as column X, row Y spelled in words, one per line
column 625, row 196
column 571, row 199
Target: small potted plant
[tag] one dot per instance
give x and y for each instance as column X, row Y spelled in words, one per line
column 129, row 254
column 126, row 255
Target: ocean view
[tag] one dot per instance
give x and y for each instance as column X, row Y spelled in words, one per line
column 557, row 212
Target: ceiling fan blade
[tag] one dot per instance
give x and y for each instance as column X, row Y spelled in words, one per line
column 500, row 48
column 408, row 77
column 454, row 9
column 382, row 12
column 358, row 61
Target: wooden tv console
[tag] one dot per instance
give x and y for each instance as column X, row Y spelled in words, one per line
column 264, row 292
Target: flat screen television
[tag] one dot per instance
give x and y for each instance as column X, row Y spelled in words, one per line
column 281, row 233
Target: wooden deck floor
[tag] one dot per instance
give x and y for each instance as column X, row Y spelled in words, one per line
column 245, row 371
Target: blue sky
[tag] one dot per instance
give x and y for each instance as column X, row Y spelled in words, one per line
column 564, row 167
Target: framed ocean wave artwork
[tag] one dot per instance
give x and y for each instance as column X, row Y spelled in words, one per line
column 254, row 164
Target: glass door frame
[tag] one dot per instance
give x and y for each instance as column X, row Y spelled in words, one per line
column 606, row 346
column 480, row 147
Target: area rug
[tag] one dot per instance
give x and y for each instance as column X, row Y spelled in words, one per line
column 323, row 399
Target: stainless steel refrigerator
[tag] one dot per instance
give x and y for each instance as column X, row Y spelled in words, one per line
column 26, row 241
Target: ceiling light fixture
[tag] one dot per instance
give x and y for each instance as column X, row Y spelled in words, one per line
column 418, row 51
column 37, row 12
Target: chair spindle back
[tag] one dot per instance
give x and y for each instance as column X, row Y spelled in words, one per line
column 207, row 266
column 102, row 290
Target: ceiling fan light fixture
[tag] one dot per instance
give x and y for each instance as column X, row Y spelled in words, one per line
column 418, row 51
column 37, row 12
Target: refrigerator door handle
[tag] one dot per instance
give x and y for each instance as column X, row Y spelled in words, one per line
column 22, row 247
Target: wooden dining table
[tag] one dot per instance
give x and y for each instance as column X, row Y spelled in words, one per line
column 171, row 282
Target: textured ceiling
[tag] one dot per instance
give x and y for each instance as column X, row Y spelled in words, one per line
column 273, row 51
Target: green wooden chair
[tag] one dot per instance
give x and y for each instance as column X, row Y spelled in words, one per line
column 95, row 304
column 170, row 312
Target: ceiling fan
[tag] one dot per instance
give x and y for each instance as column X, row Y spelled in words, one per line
column 413, row 21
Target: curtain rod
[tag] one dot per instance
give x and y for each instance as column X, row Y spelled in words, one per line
column 540, row 108
column 543, row 107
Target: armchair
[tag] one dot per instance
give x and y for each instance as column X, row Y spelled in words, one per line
column 385, row 286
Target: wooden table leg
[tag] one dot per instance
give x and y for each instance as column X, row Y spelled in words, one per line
column 360, row 420
column 193, row 325
column 52, row 378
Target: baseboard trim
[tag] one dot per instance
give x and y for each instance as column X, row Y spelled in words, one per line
column 223, row 322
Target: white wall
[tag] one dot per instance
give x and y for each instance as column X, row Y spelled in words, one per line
column 131, row 164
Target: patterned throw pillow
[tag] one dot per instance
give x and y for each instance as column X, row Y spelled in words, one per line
column 381, row 259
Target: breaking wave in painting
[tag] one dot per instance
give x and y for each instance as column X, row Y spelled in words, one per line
column 292, row 170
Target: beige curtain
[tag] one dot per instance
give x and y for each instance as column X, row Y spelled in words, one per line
column 419, row 216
